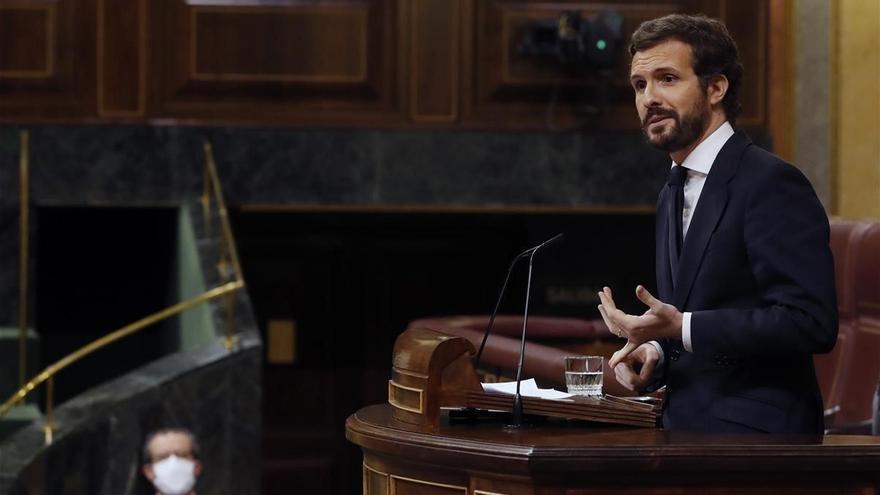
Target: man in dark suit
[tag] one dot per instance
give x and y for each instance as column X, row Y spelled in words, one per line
column 745, row 276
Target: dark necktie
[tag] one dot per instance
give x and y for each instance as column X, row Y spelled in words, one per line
column 677, row 176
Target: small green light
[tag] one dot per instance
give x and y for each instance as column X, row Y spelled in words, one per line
column 601, row 44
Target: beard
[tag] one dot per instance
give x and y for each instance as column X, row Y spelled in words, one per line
column 684, row 130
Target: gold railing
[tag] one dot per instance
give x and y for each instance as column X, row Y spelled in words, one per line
column 228, row 256
column 228, row 266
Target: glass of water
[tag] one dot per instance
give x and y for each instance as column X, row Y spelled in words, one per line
column 583, row 375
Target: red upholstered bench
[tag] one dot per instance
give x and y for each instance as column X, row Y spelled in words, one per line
column 857, row 371
column 549, row 340
column 845, row 236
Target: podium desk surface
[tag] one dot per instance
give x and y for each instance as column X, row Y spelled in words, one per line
column 581, row 454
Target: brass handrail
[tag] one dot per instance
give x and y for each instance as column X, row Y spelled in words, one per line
column 227, row 247
column 226, row 289
column 112, row 337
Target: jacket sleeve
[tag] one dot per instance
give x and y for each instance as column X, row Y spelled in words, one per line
column 786, row 237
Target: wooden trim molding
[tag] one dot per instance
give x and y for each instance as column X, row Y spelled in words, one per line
column 394, row 394
column 834, row 88
column 447, row 208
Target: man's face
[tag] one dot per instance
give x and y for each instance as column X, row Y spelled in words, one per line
column 673, row 108
column 166, row 444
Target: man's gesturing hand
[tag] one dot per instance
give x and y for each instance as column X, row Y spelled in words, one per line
column 661, row 320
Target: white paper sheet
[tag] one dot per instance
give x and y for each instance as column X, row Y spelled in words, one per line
column 527, row 388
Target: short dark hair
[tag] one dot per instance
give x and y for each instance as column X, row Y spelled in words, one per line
column 148, row 456
column 714, row 51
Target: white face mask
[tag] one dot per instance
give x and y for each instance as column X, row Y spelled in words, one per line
column 174, row 475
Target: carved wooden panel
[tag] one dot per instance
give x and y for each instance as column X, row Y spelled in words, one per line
column 375, row 482
column 46, row 58
column 30, row 26
column 506, row 88
column 322, row 45
column 122, row 58
column 434, row 42
column 412, row 486
column 285, row 61
column 748, row 24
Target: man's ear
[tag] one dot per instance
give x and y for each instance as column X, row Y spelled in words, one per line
column 197, row 470
column 147, row 469
column 717, row 89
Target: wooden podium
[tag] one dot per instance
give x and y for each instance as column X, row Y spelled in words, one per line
column 421, row 452
column 432, row 370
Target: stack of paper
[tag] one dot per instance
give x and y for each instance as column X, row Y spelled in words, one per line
column 527, row 388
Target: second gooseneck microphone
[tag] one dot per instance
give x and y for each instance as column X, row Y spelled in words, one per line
column 531, row 252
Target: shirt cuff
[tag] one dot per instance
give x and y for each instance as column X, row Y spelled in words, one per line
column 686, row 332
column 659, row 350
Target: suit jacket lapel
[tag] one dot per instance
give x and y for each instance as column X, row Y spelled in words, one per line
column 710, row 207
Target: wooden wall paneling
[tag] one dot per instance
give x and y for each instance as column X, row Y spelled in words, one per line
column 286, row 62
column 435, row 60
column 855, row 109
column 748, row 23
column 321, row 46
column 47, row 59
column 515, row 90
column 121, row 57
column 31, row 26
column 510, row 90
column 780, row 77
column 468, row 60
column 366, row 63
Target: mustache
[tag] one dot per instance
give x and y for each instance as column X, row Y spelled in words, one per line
column 658, row 112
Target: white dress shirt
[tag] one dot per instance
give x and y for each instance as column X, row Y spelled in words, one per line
column 698, row 163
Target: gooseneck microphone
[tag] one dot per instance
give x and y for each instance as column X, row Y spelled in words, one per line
column 513, row 263
column 517, row 399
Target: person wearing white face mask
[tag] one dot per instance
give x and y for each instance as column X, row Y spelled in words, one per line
column 171, row 461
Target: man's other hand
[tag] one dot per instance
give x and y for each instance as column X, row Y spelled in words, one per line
column 636, row 369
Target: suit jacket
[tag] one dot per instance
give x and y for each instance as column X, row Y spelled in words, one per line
column 757, row 274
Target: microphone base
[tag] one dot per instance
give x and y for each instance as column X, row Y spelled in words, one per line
column 517, row 419
column 525, row 422
column 504, row 419
column 472, row 415
column 522, row 425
